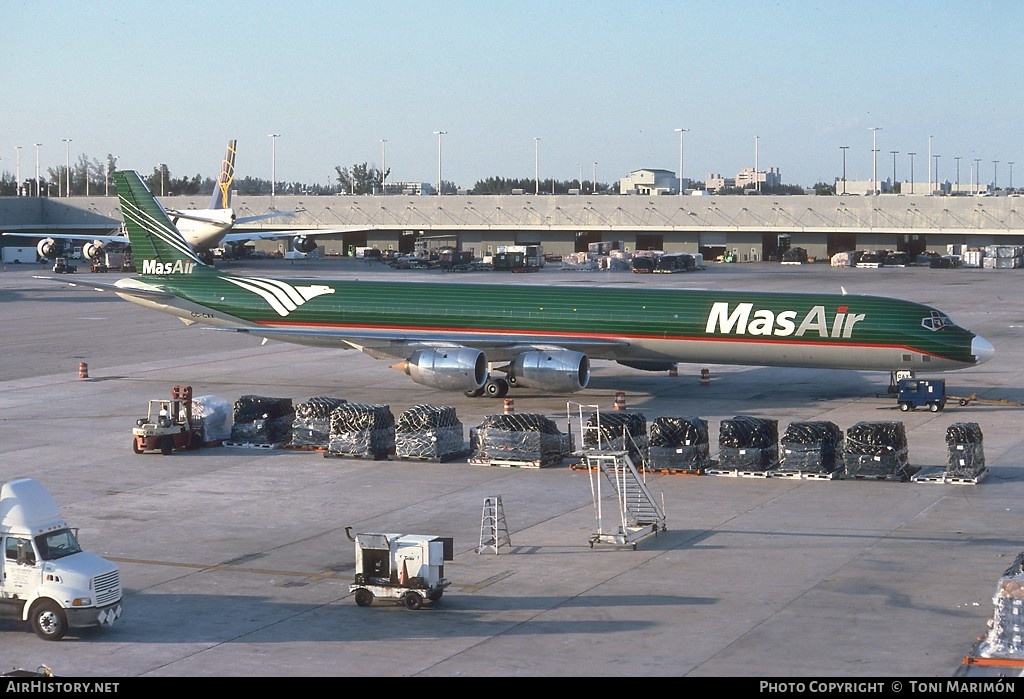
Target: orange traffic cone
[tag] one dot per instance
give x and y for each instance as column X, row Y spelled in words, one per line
column 510, row 406
column 403, row 577
column 620, row 400
column 83, row 370
column 705, row 377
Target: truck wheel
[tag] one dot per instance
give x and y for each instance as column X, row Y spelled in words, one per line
column 934, row 407
column 904, row 407
column 364, row 598
column 964, row 401
column 413, row 600
column 135, row 446
column 49, row 621
column 166, row 446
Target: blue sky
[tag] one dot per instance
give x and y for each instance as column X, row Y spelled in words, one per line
column 595, row 81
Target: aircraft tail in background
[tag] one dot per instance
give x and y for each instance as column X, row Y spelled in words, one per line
column 221, row 198
column 157, row 245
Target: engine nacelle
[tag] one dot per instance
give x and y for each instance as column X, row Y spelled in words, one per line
column 449, row 369
column 560, row 371
column 93, row 251
column 47, row 248
column 303, row 243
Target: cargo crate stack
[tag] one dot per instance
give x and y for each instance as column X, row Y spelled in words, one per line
column 877, row 450
column 520, row 439
column 311, row 427
column 362, row 430
column 748, row 444
column 966, row 453
column 621, row 430
column 262, row 421
column 813, row 447
column 679, row 444
column 431, row 432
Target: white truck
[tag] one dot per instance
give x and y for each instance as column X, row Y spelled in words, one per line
column 48, row 579
column 14, row 255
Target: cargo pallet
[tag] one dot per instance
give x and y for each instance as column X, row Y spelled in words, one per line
column 741, row 473
column 903, row 477
column 255, row 445
column 805, row 475
column 678, row 471
column 437, row 458
column 378, row 456
column 305, row 447
column 939, row 476
column 512, row 463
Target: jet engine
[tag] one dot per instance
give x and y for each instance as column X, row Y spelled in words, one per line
column 449, row 369
column 302, row 243
column 93, row 251
column 47, row 248
column 560, row 371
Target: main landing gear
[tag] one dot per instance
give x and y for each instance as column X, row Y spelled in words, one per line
column 493, row 388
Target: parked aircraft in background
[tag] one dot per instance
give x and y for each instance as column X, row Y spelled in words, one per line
column 205, row 230
column 452, row 336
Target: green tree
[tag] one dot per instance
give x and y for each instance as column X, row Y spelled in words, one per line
column 361, row 179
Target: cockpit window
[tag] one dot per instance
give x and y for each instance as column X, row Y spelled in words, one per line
column 937, row 321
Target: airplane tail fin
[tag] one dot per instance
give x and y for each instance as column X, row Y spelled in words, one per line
column 221, row 198
column 157, row 246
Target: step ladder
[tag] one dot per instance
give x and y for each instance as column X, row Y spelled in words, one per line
column 493, row 528
column 639, row 514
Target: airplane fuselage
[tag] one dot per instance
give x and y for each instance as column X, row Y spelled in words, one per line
column 725, row 327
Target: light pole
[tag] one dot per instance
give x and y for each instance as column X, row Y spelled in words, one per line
column 995, row 175
column 844, row 149
column 536, row 163
column 163, row 169
column 595, row 177
column 874, row 158
column 1010, row 163
column 439, row 134
column 911, row 171
column 936, row 172
column 17, row 176
column 37, row 166
column 757, row 179
column 681, row 132
column 957, row 159
column 580, row 165
column 977, row 174
column 383, row 161
column 273, row 160
column 67, row 142
column 930, row 188
column 894, row 153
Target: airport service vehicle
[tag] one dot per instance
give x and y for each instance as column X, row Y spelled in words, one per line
column 168, row 426
column 405, row 568
column 48, row 579
column 18, row 255
column 62, row 266
column 920, row 393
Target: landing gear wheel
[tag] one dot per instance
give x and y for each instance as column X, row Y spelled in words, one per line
column 135, row 446
column 512, row 381
column 413, row 600
column 49, row 621
column 475, row 393
column 364, row 598
column 166, row 446
column 496, row 388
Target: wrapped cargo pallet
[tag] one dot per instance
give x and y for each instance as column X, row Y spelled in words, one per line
column 679, row 443
column 749, row 443
column 1005, row 638
column 429, row 432
column 211, row 419
column 311, row 426
column 520, row 437
column 621, row 430
column 361, row 430
column 262, row 420
column 966, row 454
column 876, row 449
column 811, row 447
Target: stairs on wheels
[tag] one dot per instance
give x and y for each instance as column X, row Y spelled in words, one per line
column 638, row 514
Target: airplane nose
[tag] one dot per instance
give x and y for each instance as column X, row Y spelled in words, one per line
column 982, row 349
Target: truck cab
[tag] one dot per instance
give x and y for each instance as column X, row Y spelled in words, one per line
column 920, row 393
column 48, row 579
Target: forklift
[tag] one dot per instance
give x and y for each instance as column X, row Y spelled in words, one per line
column 168, row 425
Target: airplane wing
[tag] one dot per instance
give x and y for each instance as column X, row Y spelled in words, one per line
column 137, row 291
column 305, row 233
column 111, row 238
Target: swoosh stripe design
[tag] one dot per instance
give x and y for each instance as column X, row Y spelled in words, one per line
column 282, row 297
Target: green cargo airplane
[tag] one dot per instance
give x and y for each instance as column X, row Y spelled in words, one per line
column 451, row 336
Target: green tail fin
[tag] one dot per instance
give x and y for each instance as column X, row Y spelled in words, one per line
column 158, row 248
